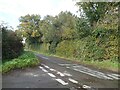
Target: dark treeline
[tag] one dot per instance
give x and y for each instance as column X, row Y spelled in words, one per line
column 92, row 36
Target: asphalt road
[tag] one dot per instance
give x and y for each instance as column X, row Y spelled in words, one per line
column 54, row 72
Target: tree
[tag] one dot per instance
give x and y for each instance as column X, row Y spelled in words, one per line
column 29, row 26
column 83, row 28
column 11, row 44
column 66, row 22
column 93, row 11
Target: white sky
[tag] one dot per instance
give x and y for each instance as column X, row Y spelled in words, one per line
column 11, row 10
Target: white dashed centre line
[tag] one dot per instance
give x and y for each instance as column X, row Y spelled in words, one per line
column 72, row 80
column 60, row 74
column 52, row 69
column 45, row 66
column 61, row 81
column 40, row 67
column 50, row 74
column 66, row 73
column 43, row 69
column 67, row 67
column 35, row 75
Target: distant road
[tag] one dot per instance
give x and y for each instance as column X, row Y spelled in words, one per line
column 55, row 72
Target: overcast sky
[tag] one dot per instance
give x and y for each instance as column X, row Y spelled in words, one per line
column 11, row 10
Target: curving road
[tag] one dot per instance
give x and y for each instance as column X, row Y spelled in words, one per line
column 54, row 72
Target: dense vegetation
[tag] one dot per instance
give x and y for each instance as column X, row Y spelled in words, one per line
column 91, row 37
column 13, row 55
column 27, row 59
column 12, row 45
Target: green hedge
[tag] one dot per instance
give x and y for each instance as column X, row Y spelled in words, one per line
column 89, row 48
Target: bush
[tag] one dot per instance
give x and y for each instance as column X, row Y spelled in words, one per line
column 27, row 59
column 12, row 45
column 67, row 48
column 102, row 47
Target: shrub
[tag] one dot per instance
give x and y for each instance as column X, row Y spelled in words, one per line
column 103, row 47
column 27, row 59
column 11, row 44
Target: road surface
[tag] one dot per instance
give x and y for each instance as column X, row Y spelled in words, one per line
column 54, row 72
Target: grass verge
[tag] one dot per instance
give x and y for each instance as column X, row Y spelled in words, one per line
column 27, row 59
column 108, row 65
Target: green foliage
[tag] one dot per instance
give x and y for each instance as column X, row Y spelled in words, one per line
column 67, row 25
column 93, row 11
column 29, row 28
column 91, row 37
column 68, row 48
column 27, row 59
column 90, row 48
column 83, row 28
column 43, row 47
column 11, row 44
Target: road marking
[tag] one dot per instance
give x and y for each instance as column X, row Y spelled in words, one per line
column 61, row 81
column 51, row 69
column 35, row 75
column 67, row 74
column 67, row 67
column 60, row 74
column 91, row 72
column 72, row 80
column 85, row 86
column 45, row 57
column 40, row 67
column 50, row 74
column 113, row 76
column 67, row 64
column 95, row 75
column 45, row 66
column 43, row 69
column 116, row 75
